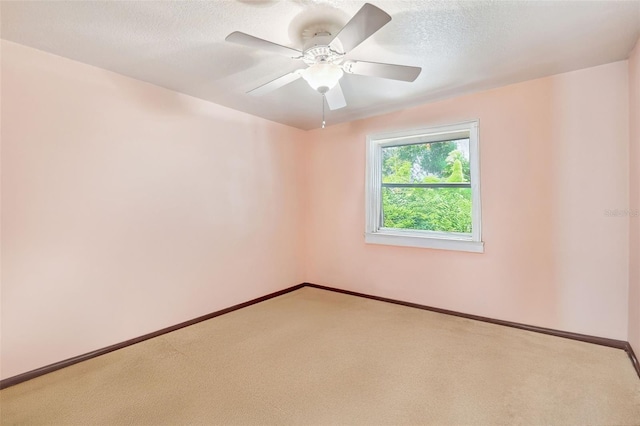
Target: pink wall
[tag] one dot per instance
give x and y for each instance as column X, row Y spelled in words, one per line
column 127, row 208
column 634, row 198
column 553, row 159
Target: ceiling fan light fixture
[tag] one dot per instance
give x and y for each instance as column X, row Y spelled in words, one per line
column 324, row 50
column 323, row 77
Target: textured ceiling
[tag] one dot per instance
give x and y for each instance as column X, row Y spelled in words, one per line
column 462, row 46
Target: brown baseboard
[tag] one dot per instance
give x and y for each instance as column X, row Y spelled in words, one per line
column 618, row 344
column 10, row 381
column 634, row 360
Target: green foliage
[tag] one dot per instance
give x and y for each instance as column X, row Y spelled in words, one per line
column 422, row 160
column 456, row 172
column 435, row 209
column 432, row 209
column 456, row 155
column 396, row 170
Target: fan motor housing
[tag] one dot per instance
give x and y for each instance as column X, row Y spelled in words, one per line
column 317, row 49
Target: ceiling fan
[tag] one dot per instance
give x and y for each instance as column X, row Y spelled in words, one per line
column 324, row 54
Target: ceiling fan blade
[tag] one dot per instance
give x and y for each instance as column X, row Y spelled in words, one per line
column 275, row 84
column 374, row 69
column 335, row 98
column 258, row 43
column 364, row 23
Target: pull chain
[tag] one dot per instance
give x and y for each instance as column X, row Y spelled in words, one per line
column 323, row 99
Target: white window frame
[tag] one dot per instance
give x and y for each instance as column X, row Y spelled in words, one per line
column 375, row 234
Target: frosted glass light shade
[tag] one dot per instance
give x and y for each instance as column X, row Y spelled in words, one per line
column 322, row 77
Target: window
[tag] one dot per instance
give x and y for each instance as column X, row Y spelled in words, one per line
column 423, row 188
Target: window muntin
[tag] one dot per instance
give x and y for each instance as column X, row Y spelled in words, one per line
column 423, row 188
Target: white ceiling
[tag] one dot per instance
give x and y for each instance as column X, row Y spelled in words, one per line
column 462, row 46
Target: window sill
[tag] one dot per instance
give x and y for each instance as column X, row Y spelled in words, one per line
column 392, row 239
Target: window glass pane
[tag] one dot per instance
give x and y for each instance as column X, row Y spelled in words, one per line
column 437, row 162
column 429, row 209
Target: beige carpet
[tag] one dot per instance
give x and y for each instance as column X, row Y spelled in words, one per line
column 318, row 357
